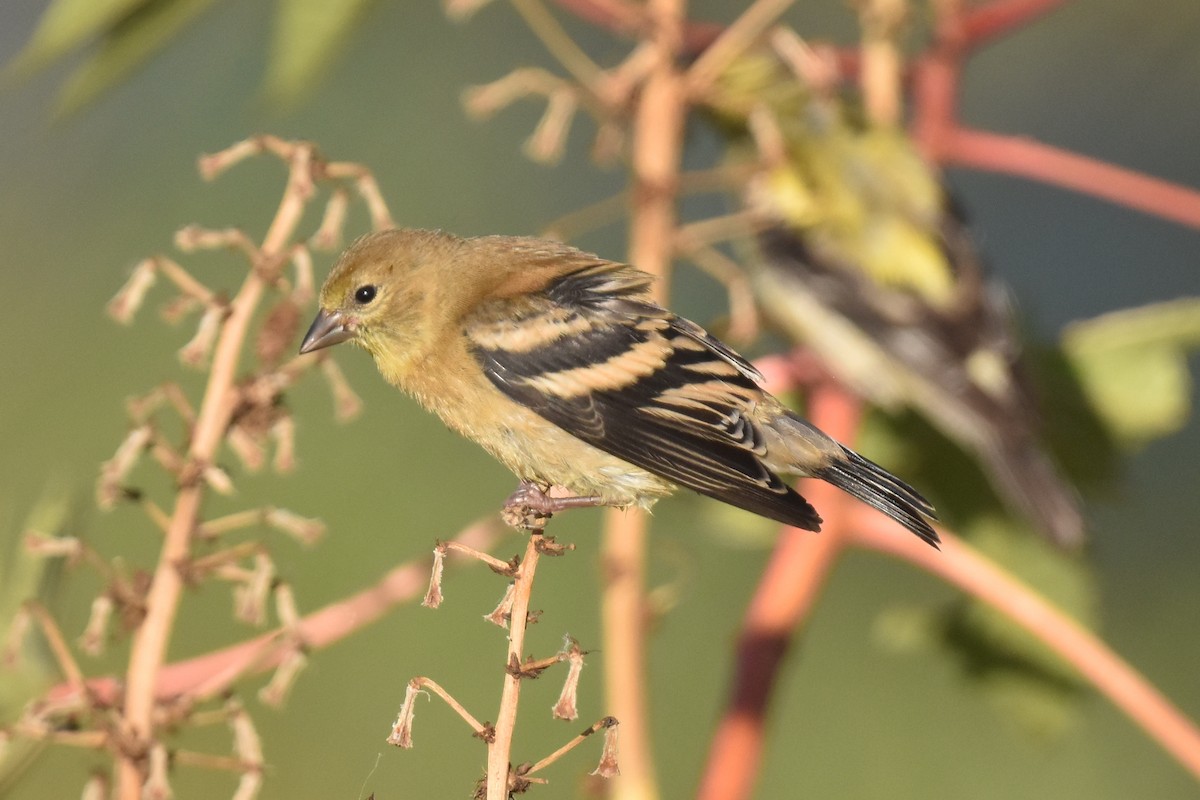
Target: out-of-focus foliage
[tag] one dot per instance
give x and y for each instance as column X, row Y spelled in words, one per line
column 125, row 33
column 1133, row 364
column 1019, row 673
column 26, row 668
column 307, row 35
column 1022, row 678
column 67, row 24
column 121, row 35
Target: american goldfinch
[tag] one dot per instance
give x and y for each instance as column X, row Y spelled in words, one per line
column 558, row 363
column 862, row 256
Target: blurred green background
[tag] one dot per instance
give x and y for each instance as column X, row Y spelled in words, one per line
column 82, row 198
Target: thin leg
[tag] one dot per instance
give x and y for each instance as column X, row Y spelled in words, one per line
column 530, row 508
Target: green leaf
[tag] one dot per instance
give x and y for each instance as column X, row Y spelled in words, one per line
column 1064, row 580
column 308, row 33
column 25, row 576
column 65, row 25
column 127, row 45
column 1022, row 678
column 1081, row 440
column 22, row 574
column 1133, row 367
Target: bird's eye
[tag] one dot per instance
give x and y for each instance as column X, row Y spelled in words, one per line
column 364, row 294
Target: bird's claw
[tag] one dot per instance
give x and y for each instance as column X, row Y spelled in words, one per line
column 529, row 508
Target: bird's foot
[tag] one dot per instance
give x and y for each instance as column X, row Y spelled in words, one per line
column 530, row 507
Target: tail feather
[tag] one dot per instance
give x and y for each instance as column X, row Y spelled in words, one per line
column 878, row 488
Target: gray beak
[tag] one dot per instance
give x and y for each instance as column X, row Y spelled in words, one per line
column 327, row 330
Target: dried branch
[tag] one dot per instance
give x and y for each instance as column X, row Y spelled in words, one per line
column 882, row 65
column 945, row 140
column 782, row 602
column 162, row 600
column 500, row 748
column 1028, row 158
column 996, row 18
column 246, row 414
column 657, row 142
column 212, row 674
column 558, row 42
column 402, row 729
column 603, row 724
column 739, row 37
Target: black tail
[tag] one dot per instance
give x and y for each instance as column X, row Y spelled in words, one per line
column 880, row 489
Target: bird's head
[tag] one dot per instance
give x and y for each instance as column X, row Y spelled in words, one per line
column 383, row 295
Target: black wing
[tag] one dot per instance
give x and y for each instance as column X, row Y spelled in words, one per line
column 591, row 355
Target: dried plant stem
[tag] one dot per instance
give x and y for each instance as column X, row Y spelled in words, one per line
column 733, row 41
column 783, row 601
column 944, row 140
column 623, row 609
column 58, row 644
column 601, row 724
column 1028, row 158
column 457, row 707
column 657, row 151
column 882, row 63
column 497, row 565
column 558, row 41
column 153, row 636
column 500, row 748
column 788, row 590
column 960, row 566
column 211, row 674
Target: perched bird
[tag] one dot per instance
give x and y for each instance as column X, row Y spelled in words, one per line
column 862, row 256
column 558, row 363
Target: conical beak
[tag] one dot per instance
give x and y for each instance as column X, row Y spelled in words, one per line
column 328, row 329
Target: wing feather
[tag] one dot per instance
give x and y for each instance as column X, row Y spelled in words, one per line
column 637, row 382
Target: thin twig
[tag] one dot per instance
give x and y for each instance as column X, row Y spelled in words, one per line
column 497, row 565
column 89, row 740
column 558, row 42
column 598, row 725
column 623, row 608
column 733, row 41
column 211, row 674
column 432, row 685
column 190, row 758
column 589, row 218
column 621, row 16
column 743, row 324
column 58, row 644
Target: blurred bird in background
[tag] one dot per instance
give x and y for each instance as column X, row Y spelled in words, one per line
column 860, row 254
